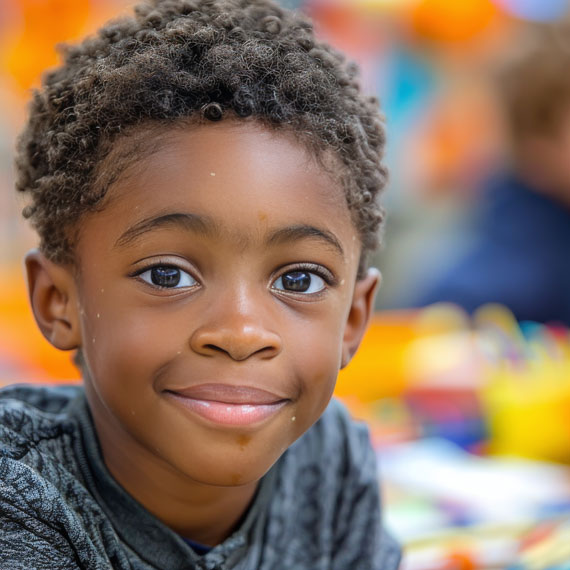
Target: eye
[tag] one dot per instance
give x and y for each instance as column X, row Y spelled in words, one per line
column 167, row 277
column 300, row 281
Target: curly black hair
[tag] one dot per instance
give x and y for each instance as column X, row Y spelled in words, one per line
column 203, row 60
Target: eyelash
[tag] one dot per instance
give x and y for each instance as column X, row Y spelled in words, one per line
column 310, row 268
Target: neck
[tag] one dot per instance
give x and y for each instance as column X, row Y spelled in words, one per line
column 204, row 513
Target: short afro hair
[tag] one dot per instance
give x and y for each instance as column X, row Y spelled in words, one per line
column 202, row 60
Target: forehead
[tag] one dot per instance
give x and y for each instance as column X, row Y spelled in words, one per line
column 229, row 142
column 229, row 170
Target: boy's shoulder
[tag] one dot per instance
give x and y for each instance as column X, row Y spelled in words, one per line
column 31, row 416
column 45, row 506
column 325, row 511
column 333, row 458
column 336, row 433
column 37, row 438
column 50, row 399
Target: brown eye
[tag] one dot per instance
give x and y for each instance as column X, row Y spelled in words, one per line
column 299, row 282
column 167, row 277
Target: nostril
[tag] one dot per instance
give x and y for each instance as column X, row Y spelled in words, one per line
column 214, row 347
column 237, row 343
column 239, row 353
column 266, row 351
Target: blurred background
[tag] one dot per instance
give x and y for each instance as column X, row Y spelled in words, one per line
column 468, row 403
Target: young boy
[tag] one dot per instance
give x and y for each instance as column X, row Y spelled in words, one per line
column 203, row 178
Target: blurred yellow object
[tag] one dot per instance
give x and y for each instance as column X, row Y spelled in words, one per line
column 521, row 376
column 378, row 368
column 443, row 349
column 450, row 360
column 528, row 411
column 526, row 387
column 441, row 318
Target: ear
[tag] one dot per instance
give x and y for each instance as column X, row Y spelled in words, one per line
column 360, row 312
column 53, row 299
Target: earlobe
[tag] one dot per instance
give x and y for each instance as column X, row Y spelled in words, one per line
column 360, row 312
column 52, row 294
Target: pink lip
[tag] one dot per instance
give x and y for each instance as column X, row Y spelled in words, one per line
column 229, row 405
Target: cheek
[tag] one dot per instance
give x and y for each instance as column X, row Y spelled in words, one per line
column 320, row 356
column 127, row 347
column 318, row 353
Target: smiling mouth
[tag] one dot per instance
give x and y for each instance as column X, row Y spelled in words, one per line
column 229, row 405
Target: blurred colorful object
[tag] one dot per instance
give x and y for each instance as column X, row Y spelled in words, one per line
column 452, row 20
column 527, row 390
column 489, row 384
column 378, row 369
column 405, row 87
column 498, row 385
column 454, row 511
column 347, row 26
column 29, row 47
column 536, row 10
column 25, row 356
column 547, row 546
column 457, row 140
column 32, row 29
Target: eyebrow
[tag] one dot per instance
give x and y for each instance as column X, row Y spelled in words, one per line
column 301, row 231
column 186, row 221
column 207, row 226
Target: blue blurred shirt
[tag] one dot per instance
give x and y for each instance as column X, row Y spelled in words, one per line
column 521, row 257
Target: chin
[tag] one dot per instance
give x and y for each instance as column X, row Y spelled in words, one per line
column 230, row 468
column 232, row 476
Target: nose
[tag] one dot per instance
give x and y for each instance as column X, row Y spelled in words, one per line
column 238, row 331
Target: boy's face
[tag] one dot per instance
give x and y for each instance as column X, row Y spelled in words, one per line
column 216, row 301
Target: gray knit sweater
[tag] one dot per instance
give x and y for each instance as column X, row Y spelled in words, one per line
column 316, row 509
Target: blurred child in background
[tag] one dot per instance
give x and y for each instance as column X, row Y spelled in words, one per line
column 520, row 257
